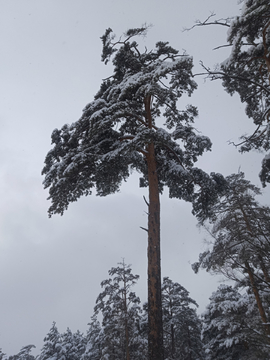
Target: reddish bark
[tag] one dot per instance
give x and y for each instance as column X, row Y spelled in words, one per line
column 258, row 299
column 155, row 334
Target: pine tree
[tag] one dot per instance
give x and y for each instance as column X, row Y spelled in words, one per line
column 232, row 327
column 182, row 327
column 120, row 310
column 119, row 132
column 241, row 248
column 72, row 345
column 66, row 344
column 52, row 348
column 247, row 72
column 24, row 353
column 79, row 345
column 94, row 341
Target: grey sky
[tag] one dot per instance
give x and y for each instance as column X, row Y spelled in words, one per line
column 51, row 269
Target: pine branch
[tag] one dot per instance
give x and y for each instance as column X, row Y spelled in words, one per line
column 222, row 22
column 214, row 75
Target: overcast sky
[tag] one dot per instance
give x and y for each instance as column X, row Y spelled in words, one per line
column 51, row 269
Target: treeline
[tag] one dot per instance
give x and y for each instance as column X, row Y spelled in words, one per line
column 236, row 322
column 119, row 325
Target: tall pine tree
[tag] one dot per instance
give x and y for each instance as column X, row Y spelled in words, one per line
column 119, row 132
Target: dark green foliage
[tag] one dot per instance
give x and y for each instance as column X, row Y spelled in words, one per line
column 52, row 345
column 181, row 324
column 241, row 233
column 118, row 132
column 240, row 251
column 120, row 336
column 123, row 331
column 230, row 327
column 247, row 72
column 247, row 69
column 24, row 353
column 110, row 139
column 72, row 345
column 95, row 341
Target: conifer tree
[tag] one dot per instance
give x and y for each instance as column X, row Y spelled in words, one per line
column 79, row 345
column 120, row 309
column 182, row 327
column 66, row 344
column 52, row 348
column 247, row 72
column 94, row 341
column 119, row 131
column 24, row 353
column 72, row 345
column 232, row 328
column 241, row 246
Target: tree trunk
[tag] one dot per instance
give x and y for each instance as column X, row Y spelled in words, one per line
column 189, row 343
column 173, row 341
column 155, row 329
column 172, row 332
column 126, row 321
column 264, row 270
column 258, row 300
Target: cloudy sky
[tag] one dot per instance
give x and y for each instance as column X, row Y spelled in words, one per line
column 51, row 269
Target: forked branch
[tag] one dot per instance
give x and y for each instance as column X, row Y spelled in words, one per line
column 222, row 22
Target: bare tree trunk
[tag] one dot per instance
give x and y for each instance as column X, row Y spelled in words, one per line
column 155, row 332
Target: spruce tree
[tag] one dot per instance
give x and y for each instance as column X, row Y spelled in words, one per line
column 119, row 131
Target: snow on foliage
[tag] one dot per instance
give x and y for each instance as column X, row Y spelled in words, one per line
column 111, row 138
column 247, row 72
column 240, row 251
column 181, row 324
column 229, row 327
